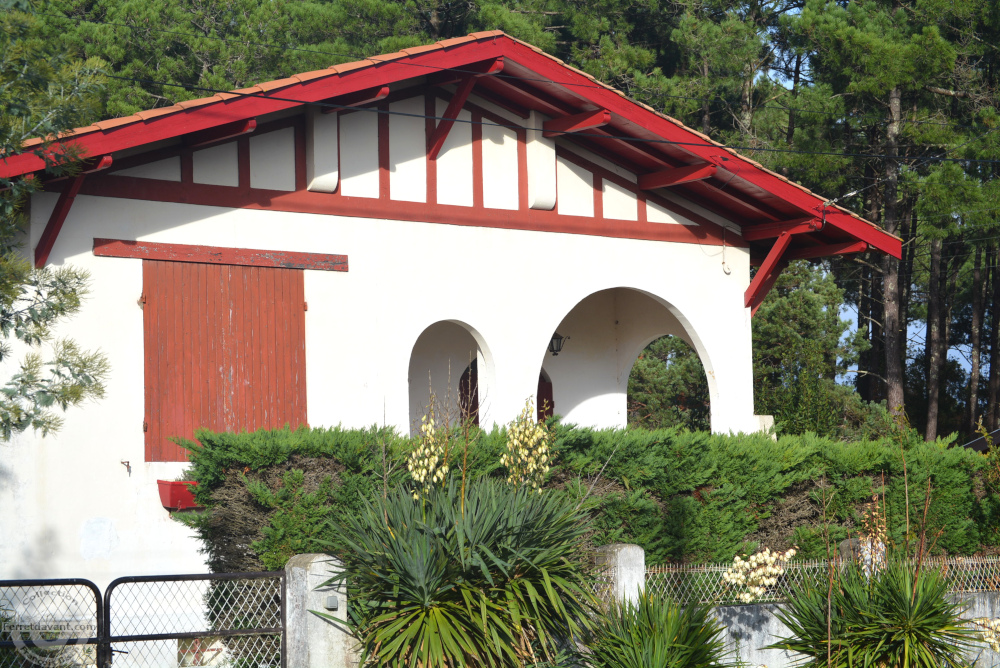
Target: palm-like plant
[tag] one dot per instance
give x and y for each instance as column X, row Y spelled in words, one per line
column 900, row 617
column 657, row 633
column 495, row 583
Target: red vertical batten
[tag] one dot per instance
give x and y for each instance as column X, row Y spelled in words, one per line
column 300, row 156
column 187, row 167
column 243, row 162
column 430, row 111
column 225, row 350
column 522, row 169
column 383, row 151
column 477, row 160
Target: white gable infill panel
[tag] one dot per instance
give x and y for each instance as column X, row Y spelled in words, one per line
column 481, row 178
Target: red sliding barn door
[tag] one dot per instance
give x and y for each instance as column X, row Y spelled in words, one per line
column 224, row 348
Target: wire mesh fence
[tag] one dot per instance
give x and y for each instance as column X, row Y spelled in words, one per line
column 203, row 620
column 706, row 583
column 49, row 623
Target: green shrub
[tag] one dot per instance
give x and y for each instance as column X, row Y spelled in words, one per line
column 488, row 577
column 657, row 632
column 682, row 496
column 901, row 616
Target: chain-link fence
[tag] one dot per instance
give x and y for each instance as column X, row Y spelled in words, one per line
column 231, row 619
column 706, row 583
column 51, row 623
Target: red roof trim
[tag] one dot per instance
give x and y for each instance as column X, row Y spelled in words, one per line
column 198, row 115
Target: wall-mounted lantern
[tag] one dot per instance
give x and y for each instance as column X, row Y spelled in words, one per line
column 556, row 344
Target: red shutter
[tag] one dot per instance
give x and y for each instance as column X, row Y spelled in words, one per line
column 224, row 348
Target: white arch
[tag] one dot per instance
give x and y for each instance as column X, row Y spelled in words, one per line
column 438, row 357
column 591, row 389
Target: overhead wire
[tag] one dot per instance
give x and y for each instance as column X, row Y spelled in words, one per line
column 626, row 138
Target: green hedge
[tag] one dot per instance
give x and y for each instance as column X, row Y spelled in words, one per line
column 683, row 496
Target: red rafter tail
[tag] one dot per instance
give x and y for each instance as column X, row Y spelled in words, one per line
column 676, row 176
column 576, row 123
column 356, row 99
column 221, row 133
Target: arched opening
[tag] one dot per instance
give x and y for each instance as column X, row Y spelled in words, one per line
column 447, row 367
column 667, row 387
column 604, row 334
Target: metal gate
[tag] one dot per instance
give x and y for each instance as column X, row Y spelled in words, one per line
column 145, row 622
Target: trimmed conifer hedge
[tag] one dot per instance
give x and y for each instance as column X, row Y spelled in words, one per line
column 683, row 496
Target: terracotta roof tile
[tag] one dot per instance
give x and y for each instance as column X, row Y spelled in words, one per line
column 163, row 111
column 115, row 122
column 356, row 65
column 200, row 102
column 412, row 51
column 487, row 34
column 249, row 91
column 278, row 83
column 317, row 74
column 454, row 41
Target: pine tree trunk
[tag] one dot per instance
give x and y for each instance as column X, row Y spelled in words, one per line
column 706, row 109
column 975, row 329
column 994, row 382
column 933, row 345
column 790, row 133
column 891, row 326
column 865, row 320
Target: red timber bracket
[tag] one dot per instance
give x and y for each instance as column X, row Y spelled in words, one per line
column 768, row 273
column 576, row 123
column 779, row 256
column 676, row 176
column 63, row 205
column 469, row 75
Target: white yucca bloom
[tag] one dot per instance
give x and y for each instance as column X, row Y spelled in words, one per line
column 757, row 572
column 427, row 463
column 526, row 459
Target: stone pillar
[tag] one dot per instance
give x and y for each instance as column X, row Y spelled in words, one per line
column 627, row 566
column 313, row 641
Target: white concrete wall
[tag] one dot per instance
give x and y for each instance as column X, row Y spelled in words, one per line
column 69, row 507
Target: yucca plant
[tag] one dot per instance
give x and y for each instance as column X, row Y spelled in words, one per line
column 899, row 617
column 494, row 583
column 655, row 632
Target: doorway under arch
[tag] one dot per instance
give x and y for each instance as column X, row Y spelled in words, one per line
column 604, row 334
column 450, row 365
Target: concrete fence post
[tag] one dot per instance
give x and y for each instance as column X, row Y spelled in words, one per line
column 313, row 641
column 627, row 567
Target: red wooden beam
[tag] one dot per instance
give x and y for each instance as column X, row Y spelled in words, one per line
column 772, row 230
column 61, row 210
column 576, row 122
column 766, row 287
column 674, row 177
column 147, row 250
column 826, row 250
column 356, row 99
column 761, row 282
column 221, row 133
column 455, row 106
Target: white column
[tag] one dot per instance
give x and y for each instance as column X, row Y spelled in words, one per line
column 627, row 566
column 313, row 641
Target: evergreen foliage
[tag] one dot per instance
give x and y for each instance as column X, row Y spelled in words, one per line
column 682, row 496
column 43, row 92
column 475, row 572
column 654, row 631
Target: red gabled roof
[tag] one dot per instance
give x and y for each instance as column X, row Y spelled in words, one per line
column 638, row 137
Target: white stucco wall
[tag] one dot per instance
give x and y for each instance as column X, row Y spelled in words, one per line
column 70, row 507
